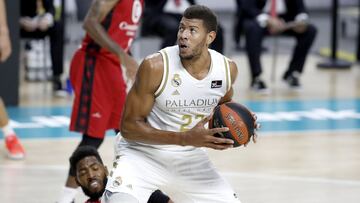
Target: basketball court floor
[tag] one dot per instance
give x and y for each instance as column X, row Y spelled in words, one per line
column 308, row 149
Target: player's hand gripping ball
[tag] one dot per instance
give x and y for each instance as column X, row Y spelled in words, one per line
column 238, row 118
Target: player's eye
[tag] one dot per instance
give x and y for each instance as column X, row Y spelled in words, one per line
column 82, row 173
column 95, row 167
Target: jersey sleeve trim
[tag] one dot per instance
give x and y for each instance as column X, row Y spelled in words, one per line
column 227, row 73
column 165, row 75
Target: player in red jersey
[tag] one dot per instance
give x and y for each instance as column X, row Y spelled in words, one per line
column 91, row 175
column 96, row 73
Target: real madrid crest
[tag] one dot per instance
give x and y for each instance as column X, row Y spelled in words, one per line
column 117, row 182
column 176, row 80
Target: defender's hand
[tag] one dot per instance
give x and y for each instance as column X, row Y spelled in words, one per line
column 131, row 66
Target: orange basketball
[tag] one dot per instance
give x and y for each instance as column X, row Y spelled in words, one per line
column 237, row 118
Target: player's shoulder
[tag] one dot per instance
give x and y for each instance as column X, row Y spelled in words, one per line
column 153, row 61
column 153, row 57
column 152, row 65
column 150, row 72
column 158, row 59
column 231, row 63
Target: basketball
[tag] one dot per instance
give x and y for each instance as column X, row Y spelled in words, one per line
column 237, row 118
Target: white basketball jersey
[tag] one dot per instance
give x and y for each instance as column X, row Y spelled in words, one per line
column 181, row 100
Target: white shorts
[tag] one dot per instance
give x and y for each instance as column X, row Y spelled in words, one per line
column 185, row 176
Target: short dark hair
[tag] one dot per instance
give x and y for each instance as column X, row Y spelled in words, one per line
column 203, row 13
column 80, row 153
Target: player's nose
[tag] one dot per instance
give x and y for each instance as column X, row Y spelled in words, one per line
column 185, row 34
column 91, row 174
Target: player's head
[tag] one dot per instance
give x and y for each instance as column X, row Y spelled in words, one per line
column 90, row 172
column 197, row 30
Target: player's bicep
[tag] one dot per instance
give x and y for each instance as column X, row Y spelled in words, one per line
column 233, row 71
column 138, row 104
column 141, row 97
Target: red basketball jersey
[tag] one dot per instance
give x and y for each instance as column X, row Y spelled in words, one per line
column 121, row 24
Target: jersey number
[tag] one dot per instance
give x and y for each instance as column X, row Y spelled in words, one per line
column 188, row 120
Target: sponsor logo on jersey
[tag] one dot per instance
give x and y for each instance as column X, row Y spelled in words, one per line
column 96, row 115
column 131, row 27
column 176, row 80
column 191, row 103
column 216, row 83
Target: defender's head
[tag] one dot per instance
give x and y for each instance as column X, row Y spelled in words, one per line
column 90, row 172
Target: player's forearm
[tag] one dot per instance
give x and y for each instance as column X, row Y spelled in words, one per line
column 4, row 31
column 3, row 23
column 141, row 131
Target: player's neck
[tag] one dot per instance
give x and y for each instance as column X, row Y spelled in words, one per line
column 199, row 66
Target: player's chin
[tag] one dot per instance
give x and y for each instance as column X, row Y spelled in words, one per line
column 96, row 190
column 185, row 55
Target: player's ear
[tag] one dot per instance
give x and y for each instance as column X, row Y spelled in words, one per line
column 210, row 37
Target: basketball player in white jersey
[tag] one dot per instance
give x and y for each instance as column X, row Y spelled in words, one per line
column 165, row 118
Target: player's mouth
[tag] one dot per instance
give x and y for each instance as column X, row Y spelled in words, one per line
column 94, row 184
column 183, row 46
